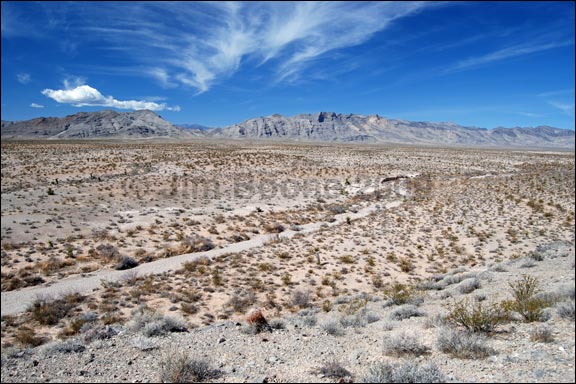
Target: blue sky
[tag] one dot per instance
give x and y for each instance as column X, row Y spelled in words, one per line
column 484, row 64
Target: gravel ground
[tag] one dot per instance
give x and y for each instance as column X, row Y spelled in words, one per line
column 299, row 351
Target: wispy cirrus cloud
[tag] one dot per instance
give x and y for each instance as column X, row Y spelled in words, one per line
column 529, row 114
column 34, row 105
column 23, row 78
column 85, row 95
column 504, row 54
column 567, row 108
column 204, row 43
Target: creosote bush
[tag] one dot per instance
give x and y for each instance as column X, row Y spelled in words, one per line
column 398, row 294
column 526, row 302
column 477, row 316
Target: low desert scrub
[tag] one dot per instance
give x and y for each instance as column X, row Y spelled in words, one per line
column 126, row 262
column 406, row 265
column 332, row 327
column 542, row 334
column 274, row 228
column 107, row 251
column 565, row 310
column 97, row 332
column 404, row 373
column 405, row 312
column 181, row 368
column 193, row 266
column 398, row 294
column 334, row 369
column 144, row 343
column 469, row 285
column 49, row 311
column 195, row 243
column 65, row 346
column 150, row 323
column 277, row 324
column 403, row 344
column 463, row 344
column 27, row 337
column 347, row 259
column 301, row 299
column 240, row 302
column 477, row 316
column 357, row 320
column 526, row 301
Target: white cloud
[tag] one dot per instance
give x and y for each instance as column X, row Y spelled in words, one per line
column 205, row 42
column 23, row 78
column 85, row 95
column 74, row 81
column 34, row 105
column 564, row 107
column 506, row 53
column 529, row 114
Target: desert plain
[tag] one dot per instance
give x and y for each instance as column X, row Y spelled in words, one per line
column 207, row 231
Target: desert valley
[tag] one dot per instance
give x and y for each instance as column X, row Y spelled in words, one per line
column 287, row 192
column 103, row 237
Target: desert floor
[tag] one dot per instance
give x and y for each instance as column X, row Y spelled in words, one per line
column 166, row 225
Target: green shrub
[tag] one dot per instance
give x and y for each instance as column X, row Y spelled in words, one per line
column 526, row 302
column 398, row 294
column 476, row 316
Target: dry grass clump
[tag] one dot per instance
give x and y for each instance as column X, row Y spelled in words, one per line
column 334, row 369
column 274, row 228
column 403, row 344
column 49, row 311
column 151, row 323
column 240, row 302
column 195, row 243
column 408, row 372
column 566, row 310
column 463, row 344
column 542, row 334
column 181, row 368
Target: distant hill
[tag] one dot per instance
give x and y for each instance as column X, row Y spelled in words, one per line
column 93, row 125
column 322, row 126
column 194, row 127
column 329, row 126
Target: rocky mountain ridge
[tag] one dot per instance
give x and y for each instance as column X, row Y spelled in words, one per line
column 320, row 127
column 95, row 125
column 329, row 126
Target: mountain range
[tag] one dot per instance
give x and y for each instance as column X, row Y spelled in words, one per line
column 322, row 127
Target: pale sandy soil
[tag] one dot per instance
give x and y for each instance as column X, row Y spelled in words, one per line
column 152, row 202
